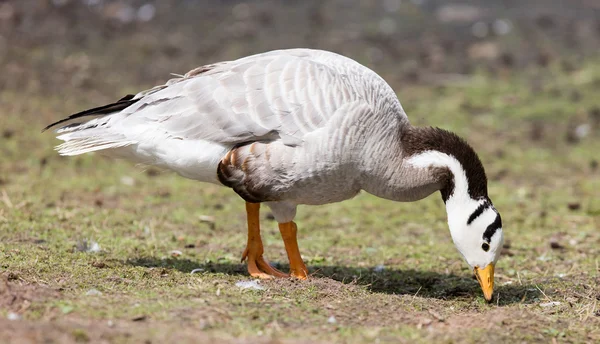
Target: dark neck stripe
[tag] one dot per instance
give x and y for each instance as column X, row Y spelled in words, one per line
column 417, row 140
column 483, row 206
column 491, row 230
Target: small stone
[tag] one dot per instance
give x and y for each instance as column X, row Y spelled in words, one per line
column 175, row 253
column 249, row 285
column 206, row 218
column 93, row 292
column 582, row 130
column 501, row 27
column 95, row 247
column 126, row 180
column 89, row 246
column 543, row 258
column 146, row 12
column 331, row 320
column 99, row 265
column 8, row 133
column 210, row 220
column 152, row 172
column 13, row 316
column 480, row 29
column 436, row 315
column 549, row 304
column 555, row 245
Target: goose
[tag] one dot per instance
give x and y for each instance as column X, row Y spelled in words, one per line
column 291, row 127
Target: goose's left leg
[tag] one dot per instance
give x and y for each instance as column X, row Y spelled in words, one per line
column 285, row 212
column 288, row 233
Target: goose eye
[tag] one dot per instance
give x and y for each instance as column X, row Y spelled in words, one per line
column 485, row 246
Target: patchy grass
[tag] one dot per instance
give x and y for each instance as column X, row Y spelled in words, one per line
column 381, row 270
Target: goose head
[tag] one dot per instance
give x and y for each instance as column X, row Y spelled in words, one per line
column 476, row 229
column 475, row 224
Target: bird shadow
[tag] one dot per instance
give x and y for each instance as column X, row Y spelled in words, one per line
column 427, row 284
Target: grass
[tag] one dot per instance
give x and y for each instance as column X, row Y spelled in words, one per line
column 382, row 271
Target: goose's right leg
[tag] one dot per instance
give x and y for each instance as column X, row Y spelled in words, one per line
column 257, row 265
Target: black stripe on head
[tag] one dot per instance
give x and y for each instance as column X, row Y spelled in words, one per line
column 491, row 230
column 483, row 206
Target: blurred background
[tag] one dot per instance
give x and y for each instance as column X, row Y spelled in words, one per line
column 90, row 45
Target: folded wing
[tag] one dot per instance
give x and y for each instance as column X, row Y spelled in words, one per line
column 281, row 95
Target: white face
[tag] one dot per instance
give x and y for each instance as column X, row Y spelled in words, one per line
column 476, row 229
column 475, row 224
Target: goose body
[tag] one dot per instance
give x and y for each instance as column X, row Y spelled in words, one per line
column 302, row 118
column 289, row 127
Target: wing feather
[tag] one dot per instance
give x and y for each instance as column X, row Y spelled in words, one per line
column 277, row 95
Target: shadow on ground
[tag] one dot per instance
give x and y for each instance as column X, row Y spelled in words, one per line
column 428, row 284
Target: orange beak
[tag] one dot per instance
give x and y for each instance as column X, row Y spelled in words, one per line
column 486, row 280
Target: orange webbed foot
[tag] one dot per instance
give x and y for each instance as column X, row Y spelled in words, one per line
column 297, row 267
column 258, row 267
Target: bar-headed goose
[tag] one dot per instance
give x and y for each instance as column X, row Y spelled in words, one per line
column 292, row 127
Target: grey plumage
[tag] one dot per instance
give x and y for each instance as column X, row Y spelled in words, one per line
column 297, row 126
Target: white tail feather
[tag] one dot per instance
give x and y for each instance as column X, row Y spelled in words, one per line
column 87, row 141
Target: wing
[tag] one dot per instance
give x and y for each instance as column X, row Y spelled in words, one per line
column 277, row 95
column 262, row 98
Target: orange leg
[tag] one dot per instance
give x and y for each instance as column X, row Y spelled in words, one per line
column 288, row 233
column 257, row 265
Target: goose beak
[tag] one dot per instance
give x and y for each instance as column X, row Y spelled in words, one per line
column 486, row 280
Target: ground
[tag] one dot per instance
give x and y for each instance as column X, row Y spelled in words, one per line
column 98, row 250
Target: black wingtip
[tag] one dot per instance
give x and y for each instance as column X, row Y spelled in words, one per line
column 127, row 97
column 101, row 110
